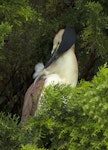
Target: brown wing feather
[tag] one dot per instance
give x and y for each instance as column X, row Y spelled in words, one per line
column 31, row 99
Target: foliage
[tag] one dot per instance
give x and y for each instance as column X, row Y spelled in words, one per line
column 26, row 33
column 29, row 147
column 13, row 13
column 15, row 18
column 10, row 134
column 4, row 29
column 67, row 119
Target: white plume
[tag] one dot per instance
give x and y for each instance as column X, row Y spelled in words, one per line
column 38, row 69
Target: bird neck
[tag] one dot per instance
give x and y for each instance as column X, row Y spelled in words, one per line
column 65, row 67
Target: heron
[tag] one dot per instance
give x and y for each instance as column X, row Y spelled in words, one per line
column 62, row 68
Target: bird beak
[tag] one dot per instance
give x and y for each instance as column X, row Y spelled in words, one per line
column 53, row 57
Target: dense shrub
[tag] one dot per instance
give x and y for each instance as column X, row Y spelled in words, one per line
column 27, row 29
column 68, row 119
column 31, row 147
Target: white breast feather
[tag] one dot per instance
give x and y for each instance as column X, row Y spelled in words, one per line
column 53, row 79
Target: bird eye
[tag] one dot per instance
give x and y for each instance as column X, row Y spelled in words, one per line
column 58, row 43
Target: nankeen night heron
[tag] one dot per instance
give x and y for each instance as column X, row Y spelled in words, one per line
column 61, row 68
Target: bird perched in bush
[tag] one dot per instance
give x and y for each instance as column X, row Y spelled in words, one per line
column 62, row 68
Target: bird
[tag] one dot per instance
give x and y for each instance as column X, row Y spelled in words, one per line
column 62, row 68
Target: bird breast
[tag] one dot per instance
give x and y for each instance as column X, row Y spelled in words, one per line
column 66, row 68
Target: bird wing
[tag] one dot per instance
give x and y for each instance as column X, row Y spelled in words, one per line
column 31, row 99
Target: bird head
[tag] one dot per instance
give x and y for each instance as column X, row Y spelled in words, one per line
column 63, row 41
